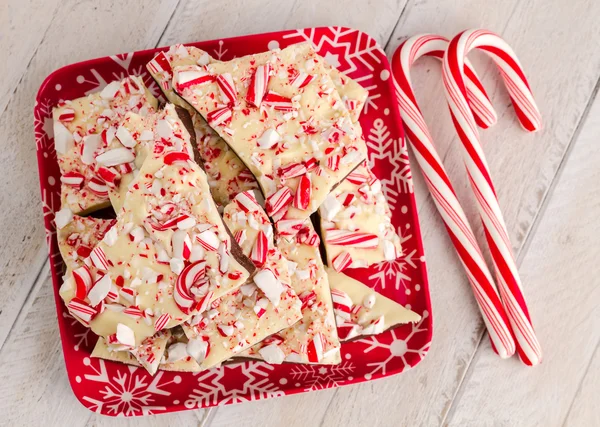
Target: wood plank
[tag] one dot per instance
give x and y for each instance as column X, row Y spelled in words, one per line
column 523, row 166
column 584, row 410
column 561, row 272
column 86, row 30
column 198, row 20
column 23, row 25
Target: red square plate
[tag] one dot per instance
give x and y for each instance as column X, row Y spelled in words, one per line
column 115, row 389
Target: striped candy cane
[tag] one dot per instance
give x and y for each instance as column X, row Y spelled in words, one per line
column 439, row 185
column 496, row 234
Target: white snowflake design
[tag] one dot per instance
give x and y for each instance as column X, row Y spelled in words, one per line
column 397, row 348
column 253, row 384
column 128, row 393
column 397, row 269
column 84, row 333
column 220, row 53
column 318, row 377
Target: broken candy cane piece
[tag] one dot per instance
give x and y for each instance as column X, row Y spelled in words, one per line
column 272, row 354
column 209, row 240
column 98, row 258
column 219, row 116
column 268, row 283
column 162, row 321
column 342, row 261
column 314, row 350
column 63, row 217
column 348, row 330
column 289, row 227
column 278, row 201
column 259, row 251
column 63, row 139
column 125, row 335
column 277, row 102
column 268, row 139
column 301, row 79
column 160, row 64
column 98, row 187
column 192, row 275
column 192, row 77
column 197, row 348
column 109, row 175
column 100, row 290
column 292, row 171
column 260, row 308
column 176, row 157
column 82, row 310
column 342, row 303
column 303, row 193
column 228, row 90
column 115, row 157
column 125, row 137
column 83, row 281
column 240, row 236
column 111, row 90
column 67, row 115
column 352, row 238
column 72, row 179
column 247, row 202
column 182, row 245
column 258, row 85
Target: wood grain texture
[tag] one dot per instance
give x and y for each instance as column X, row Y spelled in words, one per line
column 70, row 39
column 584, row 409
column 562, row 268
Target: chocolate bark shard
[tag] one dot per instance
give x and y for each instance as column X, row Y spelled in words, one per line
column 294, row 133
column 356, row 223
column 258, row 309
column 168, row 255
column 227, row 175
column 86, row 128
column 362, row 311
column 311, row 283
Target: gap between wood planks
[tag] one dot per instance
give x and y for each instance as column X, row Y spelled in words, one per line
column 594, row 355
column 525, row 244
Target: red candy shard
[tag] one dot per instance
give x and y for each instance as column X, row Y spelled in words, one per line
column 352, row 238
column 258, row 85
column 176, row 157
column 277, row 102
column 83, row 281
column 303, row 193
column 220, row 116
column 72, row 179
column 342, row 261
column 259, row 251
column 228, row 90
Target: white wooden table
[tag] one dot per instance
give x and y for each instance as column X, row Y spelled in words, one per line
column 549, row 188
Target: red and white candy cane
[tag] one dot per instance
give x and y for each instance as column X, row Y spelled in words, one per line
column 496, row 234
column 441, row 189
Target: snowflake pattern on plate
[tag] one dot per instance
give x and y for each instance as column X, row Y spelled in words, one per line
column 119, row 390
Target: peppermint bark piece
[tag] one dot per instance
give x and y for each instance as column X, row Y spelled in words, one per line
column 258, row 309
column 314, row 339
column 167, row 257
column 360, row 310
column 227, row 175
column 352, row 93
column 282, row 115
column 77, row 236
column 173, row 358
column 356, row 223
column 85, row 129
column 171, row 127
